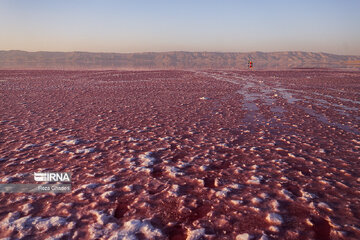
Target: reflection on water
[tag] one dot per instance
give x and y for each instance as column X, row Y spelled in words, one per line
column 323, row 119
column 286, row 95
column 250, row 106
column 257, row 90
column 277, row 109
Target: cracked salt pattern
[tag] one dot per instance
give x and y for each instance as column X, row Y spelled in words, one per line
column 182, row 155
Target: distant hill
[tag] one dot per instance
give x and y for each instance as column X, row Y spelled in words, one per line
column 174, row 60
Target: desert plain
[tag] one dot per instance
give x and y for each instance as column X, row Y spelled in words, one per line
column 182, row 154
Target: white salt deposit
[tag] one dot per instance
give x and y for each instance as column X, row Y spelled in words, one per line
column 64, row 151
column 243, row 236
column 236, row 202
column 26, row 208
column 274, row 218
column 128, row 188
column 175, row 187
column 324, row 206
column 255, row 209
column 146, row 159
column 8, row 179
column 143, row 169
column 172, row 171
column 81, row 196
column 217, row 182
column 68, row 205
column 223, row 193
column 58, row 236
column 274, row 229
column 324, row 182
column 336, row 234
column 286, row 193
column 90, row 186
column 291, row 155
column 264, row 195
column 71, row 142
column 308, row 222
column 195, row 234
column 203, row 168
column 256, row 200
column 254, row 167
column 255, row 180
column 107, row 195
column 10, row 218
column 235, row 186
column 14, row 223
column 132, row 227
column 30, row 145
column 101, row 217
column 204, row 98
column 110, row 179
column 321, row 150
column 85, row 150
column 307, row 196
column 264, row 237
column 26, row 147
column 274, row 205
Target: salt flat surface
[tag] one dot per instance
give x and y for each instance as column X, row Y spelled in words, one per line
column 182, row 154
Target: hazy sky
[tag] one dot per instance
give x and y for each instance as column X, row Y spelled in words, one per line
column 171, row 25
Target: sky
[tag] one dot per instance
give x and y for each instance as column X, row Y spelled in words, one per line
column 330, row 26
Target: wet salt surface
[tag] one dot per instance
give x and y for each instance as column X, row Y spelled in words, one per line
column 182, row 155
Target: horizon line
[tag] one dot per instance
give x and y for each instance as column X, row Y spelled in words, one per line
column 175, row 51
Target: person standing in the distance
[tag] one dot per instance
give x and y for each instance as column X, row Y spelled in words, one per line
column 250, row 64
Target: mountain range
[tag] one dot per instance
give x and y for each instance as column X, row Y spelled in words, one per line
column 15, row 59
